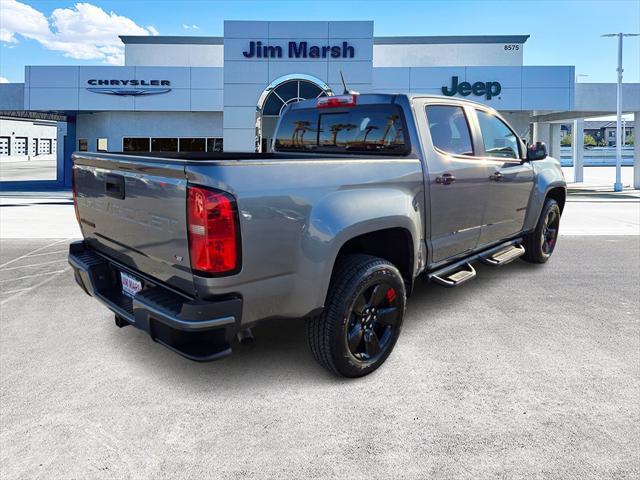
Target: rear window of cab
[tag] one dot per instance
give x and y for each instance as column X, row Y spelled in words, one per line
column 370, row 129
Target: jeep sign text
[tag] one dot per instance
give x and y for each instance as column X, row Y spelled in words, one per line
column 488, row 89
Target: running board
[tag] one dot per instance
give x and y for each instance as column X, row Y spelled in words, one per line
column 503, row 256
column 459, row 272
column 453, row 276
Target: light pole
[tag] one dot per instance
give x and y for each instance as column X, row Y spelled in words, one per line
column 617, row 187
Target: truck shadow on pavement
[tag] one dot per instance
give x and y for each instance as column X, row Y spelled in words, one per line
column 280, row 353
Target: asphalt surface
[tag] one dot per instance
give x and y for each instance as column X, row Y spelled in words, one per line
column 24, row 170
column 526, row 372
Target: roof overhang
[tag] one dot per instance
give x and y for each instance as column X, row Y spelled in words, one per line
column 420, row 40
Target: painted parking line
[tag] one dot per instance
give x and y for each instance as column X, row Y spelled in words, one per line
column 32, row 252
column 32, row 265
column 48, row 253
column 37, row 285
column 10, row 292
column 36, row 275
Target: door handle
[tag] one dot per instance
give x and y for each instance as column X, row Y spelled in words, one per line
column 445, row 179
column 496, row 177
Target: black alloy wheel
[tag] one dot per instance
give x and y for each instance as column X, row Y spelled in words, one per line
column 540, row 244
column 374, row 316
column 362, row 317
column 550, row 231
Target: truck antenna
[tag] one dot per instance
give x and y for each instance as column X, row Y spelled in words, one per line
column 344, row 85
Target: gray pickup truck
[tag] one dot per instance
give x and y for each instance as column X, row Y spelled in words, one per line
column 362, row 195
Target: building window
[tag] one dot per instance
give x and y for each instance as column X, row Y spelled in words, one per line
column 214, row 145
column 133, row 144
column 164, row 144
column 83, row 145
column 612, row 133
column 171, row 144
column 102, row 144
column 193, row 144
column 290, row 92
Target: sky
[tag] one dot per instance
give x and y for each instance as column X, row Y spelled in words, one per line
column 563, row 32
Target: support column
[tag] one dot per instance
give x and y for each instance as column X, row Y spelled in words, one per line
column 554, row 141
column 69, row 147
column 542, row 133
column 636, row 151
column 577, row 147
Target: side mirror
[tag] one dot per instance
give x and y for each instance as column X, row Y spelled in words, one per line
column 537, row 151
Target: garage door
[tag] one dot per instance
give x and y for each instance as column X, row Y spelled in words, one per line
column 20, row 146
column 4, row 145
column 44, row 146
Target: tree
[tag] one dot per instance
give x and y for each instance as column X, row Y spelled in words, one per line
column 589, row 141
column 631, row 140
column 567, row 140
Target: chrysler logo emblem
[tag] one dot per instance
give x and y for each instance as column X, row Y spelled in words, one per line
column 132, row 92
column 131, row 88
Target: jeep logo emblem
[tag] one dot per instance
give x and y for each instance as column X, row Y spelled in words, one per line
column 488, row 89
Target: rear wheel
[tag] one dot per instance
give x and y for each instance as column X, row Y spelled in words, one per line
column 362, row 317
column 540, row 243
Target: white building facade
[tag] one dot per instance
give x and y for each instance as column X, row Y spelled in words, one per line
column 209, row 93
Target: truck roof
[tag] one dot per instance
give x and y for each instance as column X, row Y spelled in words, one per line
column 382, row 98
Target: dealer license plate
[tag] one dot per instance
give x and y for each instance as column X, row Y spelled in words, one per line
column 130, row 284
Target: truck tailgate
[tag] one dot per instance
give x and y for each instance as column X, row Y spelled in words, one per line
column 133, row 209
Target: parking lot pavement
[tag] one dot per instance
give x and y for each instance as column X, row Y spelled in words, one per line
column 526, row 372
column 32, row 169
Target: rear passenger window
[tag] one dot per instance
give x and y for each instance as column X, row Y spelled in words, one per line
column 298, row 130
column 499, row 141
column 449, row 129
column 363, row 129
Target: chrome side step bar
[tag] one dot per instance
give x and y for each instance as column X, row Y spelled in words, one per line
column 457, row 273
column 453, row 277
column 504, row 256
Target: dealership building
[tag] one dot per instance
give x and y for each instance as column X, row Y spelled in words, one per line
column 213, row 93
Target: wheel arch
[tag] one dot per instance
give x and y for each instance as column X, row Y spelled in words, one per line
column 559, row 194
column 543, row 190
column 394, row 244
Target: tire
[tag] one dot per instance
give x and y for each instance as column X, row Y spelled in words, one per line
column 539, row 244
column 362, row 318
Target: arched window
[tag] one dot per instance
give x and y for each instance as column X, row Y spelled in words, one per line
column 291, row 91
column 280, row 93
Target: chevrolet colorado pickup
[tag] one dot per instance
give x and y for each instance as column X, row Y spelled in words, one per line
column 361, row 196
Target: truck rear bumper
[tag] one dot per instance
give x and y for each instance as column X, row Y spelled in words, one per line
column 198, row 330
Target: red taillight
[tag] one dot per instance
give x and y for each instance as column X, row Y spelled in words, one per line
column 74, row 189
column 213, row 231
column 336, row 101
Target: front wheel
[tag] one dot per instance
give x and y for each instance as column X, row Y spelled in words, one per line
column 362, row 318
column 540, row 243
